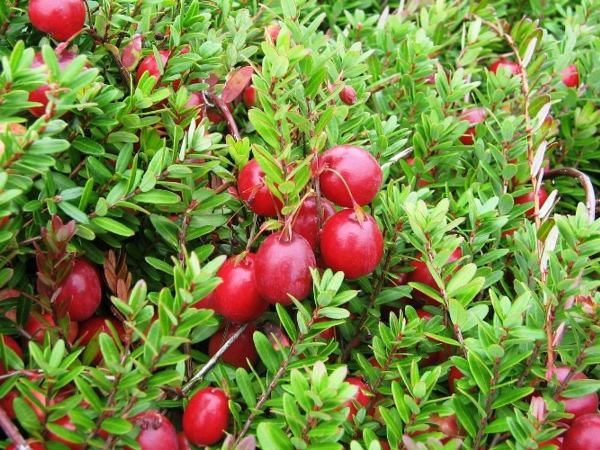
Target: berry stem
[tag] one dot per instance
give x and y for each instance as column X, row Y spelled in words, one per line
column 219, row 103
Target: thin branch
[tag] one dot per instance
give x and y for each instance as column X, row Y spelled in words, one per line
column 212, row 361
column 219, row 103
column 12, row 431
column 586, row 184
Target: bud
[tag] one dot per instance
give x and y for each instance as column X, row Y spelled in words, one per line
column 273, row 31
column 249, row 96
column 131, row 54
column 348, row 95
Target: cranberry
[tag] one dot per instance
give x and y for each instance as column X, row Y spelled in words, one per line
column 237, row 298
column 150, row 65
column 273, row 31
column 283, row 268
column 348, row 168
column 474, row 116
column 327, row 334
column 570, row 76
column 421, row 275
column 249, row 96
column 583, row 434
column 91, row 329
column 577, row 406
column 156, row 431
column 131, row 54
column 446, row 425
column 207, row 302
column 306, row 222
column 529, row 198
column 66, row 423
column 348, row 95
column 351, row 244
column 80, row 292
column 14, row 346
column 361, row 398
column 61, row 19
column 506, row 64
column 254, row 191
column 32, row 445
column 40, row 95
column 183, row 442
column 242, row 353
column 277, row 337
column 37, row 325
column 206, row 416
column 453, row 376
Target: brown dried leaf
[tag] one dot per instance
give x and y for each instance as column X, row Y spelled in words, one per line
column 110, row 271
column 236, row 83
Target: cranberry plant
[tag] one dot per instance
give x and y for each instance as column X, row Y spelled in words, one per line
column 299, row 224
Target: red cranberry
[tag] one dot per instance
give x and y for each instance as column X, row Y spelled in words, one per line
column 360, row 399
column 32, row 445
column 570, row 76
column 80, row 292
column 577, row 406
column 91, row 329
column 529, row 198
column 283, row 268
column 40, row 95
column 14, row 346
column 206, row 417
column 66, row 423
column 273, row 31
column 242, row 353
column 183, row 442
column 156, row 431
column 348, row 168
column 446, row 425
column 351, row 244
column 37, row 404
column 276, row 336
column 506, row 64
column 237, row 298
column 453, row 376
column 421, row 275
column 207, row 302
column 249, row 96
column 348, row 95
column 254, row 191
column 583, row 434
column 61, row 19
column 474, row 116
column 37, row 325
column 327, row 334
column 150, row 65
column 306, row 223
column 131, row 54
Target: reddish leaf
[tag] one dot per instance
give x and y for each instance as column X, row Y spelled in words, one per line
column 236, row 83
column 9, row 293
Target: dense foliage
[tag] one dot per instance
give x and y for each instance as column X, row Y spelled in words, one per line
column 469, row 313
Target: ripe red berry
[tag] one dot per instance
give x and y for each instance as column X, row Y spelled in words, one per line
column 578, row 406
column 421, row 274
column 570, row 76
column 206, row 417
column 254, row 191
column 156, row 431
column 183, row 442
column 306, row 222
column 80, row 292
column 249, row 96
column 583, row 434
column 150, row 65
column 360, row 399
column 283, row 268
column 9, row 342
column 61, row 19
column 506, row 64
column 351, row 244
column 40, row 95
column 529, row 198
column 37, row 325
column 453, row 376
column 66, row 423
column 91, row 329
column 474, row 116
column 32, row 445
column 348, row 168
column 348, row 95
column 237, row 298
column 242, row 353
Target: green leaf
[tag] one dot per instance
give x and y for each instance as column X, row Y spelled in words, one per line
column 158, row 197
column 270, row 436
column 116, row 425
column 74, row 212
column 88, row 146
column 266, row 352
column 112, row 226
